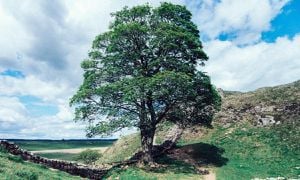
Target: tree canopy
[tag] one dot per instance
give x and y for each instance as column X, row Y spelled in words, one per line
column 144, row 70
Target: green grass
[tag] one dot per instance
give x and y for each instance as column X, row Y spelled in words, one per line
column 122, row 149
column 38, row 145
column 61, row 156
column 238, row 152
column 126, row 146
column 252, row 152
column 169, row 169
column 13, row 167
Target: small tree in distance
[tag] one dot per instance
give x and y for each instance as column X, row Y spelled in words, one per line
column 89, row 156
column 142, row 71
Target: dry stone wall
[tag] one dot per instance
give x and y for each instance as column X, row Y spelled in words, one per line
column 69, row 167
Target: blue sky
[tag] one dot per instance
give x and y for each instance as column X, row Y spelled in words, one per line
column 251, row 44
column 286, row 23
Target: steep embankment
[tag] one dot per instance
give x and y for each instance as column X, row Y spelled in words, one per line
column 255, row 135
column 13, row 167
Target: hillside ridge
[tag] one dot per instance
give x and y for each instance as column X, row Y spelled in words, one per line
column 255, row 135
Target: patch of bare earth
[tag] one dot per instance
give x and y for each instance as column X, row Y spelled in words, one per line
column 210, row 176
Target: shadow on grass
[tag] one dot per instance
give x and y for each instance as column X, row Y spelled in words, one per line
column 172, row 165
column 206, row 154
column 201, row 154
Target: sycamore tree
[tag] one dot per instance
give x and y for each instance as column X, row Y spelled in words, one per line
column 143, row 71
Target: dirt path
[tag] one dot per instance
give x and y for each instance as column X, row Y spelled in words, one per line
column 154, row 140
column 210, row 176
column 71, row 151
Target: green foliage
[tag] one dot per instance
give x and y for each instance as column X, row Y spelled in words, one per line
column 89, row 156
column 143, row 71
column 241, row 151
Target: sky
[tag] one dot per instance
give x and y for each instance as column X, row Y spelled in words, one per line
column 250, row 44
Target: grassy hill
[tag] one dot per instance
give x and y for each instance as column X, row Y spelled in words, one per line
column 13, row 167
column 255, row 135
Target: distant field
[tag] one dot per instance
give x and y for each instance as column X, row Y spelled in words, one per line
column 62, row 156
column 39, row 145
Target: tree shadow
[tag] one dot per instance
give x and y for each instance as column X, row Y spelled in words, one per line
column 206, row 154
column 186, row 159
column 167, row 164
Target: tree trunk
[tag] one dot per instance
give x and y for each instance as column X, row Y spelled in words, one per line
column 147, row 136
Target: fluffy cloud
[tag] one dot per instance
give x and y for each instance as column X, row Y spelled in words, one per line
column 247, row 68
column 31, row 85
column 243, row 21
column 11, row 110
column 16, row 122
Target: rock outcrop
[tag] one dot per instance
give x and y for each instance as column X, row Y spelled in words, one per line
column 263, row 107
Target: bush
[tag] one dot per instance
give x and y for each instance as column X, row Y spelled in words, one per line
column 89, row 156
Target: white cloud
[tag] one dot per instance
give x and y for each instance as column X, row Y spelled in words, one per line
column 245, row 20
column 31, row 85
column 11, row 110
column 247, row 68
column 16, row 122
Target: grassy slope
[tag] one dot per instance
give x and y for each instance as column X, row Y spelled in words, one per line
column 125, row 147
column 13, row 167
column 122, row 149
column 247, row 152
column 269, row 95
column 255, row 151
column 170, row 169
column 241, row 151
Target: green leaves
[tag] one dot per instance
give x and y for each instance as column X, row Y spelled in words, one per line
column 143, row 71
column 89, row 156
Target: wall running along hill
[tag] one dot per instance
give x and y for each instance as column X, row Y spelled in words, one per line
column 69, row 167
column 85, row 171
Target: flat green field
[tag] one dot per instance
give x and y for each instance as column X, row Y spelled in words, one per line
column 39, row 145
column 61, row 156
